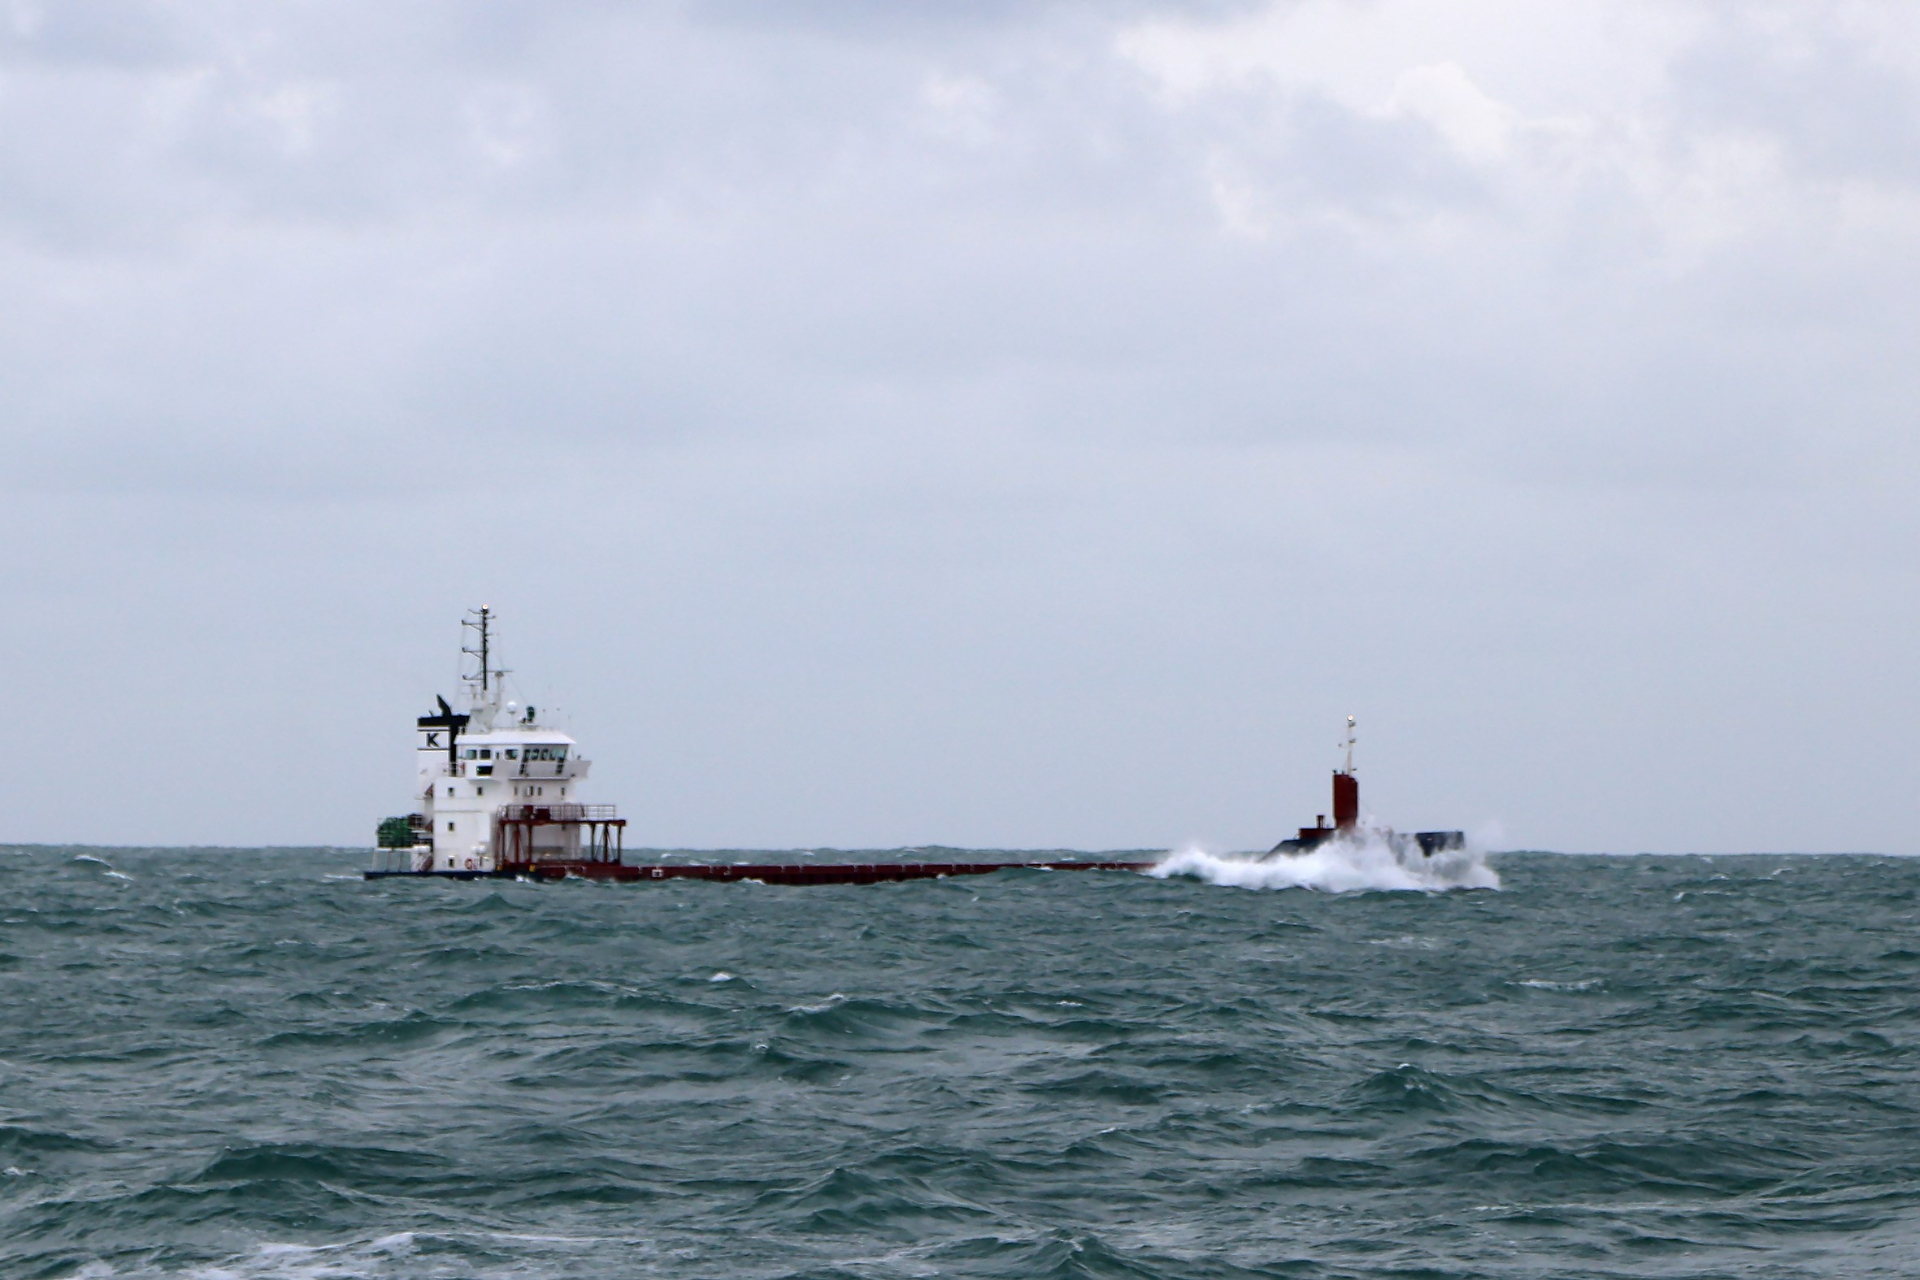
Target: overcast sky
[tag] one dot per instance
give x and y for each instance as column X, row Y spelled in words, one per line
column 1008, row 424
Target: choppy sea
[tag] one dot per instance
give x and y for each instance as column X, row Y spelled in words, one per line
column 254, row 1064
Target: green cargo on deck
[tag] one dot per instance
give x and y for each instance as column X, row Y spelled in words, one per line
column 396, row 833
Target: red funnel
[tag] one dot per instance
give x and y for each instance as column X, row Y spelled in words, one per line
column 1346, row 801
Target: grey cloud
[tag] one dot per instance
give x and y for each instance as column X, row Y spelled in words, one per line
column 125, row 35
column 875, row 426
column 870, row 19
column 1834, row 100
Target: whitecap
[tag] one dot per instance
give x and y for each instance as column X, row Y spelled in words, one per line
column 1341, row 865
column 348, row 1260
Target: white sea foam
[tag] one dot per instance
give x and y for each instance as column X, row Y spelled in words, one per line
column 391, row 1256
column 1341, row 865
column 387, row 1258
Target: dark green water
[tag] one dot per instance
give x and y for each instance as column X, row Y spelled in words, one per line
column 252, row 1064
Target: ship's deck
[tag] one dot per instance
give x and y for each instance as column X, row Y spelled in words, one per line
column 800, row 873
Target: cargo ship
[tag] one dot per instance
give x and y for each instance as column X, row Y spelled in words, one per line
column 498, row 793
column 1347, row 823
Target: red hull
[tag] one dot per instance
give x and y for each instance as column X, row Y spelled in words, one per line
column 803, row 873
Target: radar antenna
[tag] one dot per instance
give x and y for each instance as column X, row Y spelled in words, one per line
column 481, row 621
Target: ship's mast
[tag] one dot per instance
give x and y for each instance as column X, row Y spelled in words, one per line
column 1346, row 789
column 481, row 620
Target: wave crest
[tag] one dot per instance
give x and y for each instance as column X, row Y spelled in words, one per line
column 1341, row 865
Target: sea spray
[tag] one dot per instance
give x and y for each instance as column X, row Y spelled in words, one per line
column 1341, row 865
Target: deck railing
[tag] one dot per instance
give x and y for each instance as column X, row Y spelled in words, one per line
column 541, row 813
column 585, row 832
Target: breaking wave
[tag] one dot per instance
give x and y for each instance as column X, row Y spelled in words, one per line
column 1340, row 865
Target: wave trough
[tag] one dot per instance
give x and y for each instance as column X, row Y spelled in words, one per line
column 250, row 1066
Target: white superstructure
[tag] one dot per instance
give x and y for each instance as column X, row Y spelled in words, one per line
column 495, row 785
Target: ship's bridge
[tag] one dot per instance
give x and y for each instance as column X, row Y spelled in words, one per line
column 466, row 789
column 494, row 779
column 516, row 753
